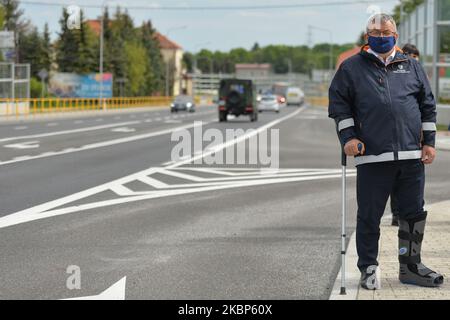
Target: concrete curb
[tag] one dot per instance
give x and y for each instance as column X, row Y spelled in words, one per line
column 352, row 274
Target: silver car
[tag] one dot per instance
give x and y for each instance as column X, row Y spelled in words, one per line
column 269, row 103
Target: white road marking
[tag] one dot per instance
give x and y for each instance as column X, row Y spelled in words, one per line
column 98, row 120
column 62, row 206
column 309, row 117
column 57, row 133
column 116, row 118
column 153, row 182
column 158, row 119
column 20, row 128
column 107, row 143
column 48, row 209
column 52, row 124
column 115, row 292
column 21, row 157
column 23, row 145
column 123, row 129
column 237, row 139
column 78, row 121
column 148, row 120
column 173, row 121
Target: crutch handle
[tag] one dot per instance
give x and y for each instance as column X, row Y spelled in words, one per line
column 360, row 147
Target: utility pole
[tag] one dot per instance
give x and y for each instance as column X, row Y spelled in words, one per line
column 330, row 62
column 100, row 96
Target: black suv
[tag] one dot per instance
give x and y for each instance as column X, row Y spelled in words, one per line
column 237, row 97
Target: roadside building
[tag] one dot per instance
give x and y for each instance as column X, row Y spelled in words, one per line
column 428, row 27
column 253, row 70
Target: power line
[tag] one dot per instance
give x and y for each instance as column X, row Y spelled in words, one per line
column 217, row 8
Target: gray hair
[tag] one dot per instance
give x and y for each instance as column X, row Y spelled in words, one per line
column 380, row 18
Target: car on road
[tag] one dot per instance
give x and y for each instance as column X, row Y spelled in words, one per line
column 269, row 103
column 295, row 96
column 183, row 103
column 237, row 97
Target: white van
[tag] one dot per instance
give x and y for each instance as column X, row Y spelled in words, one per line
column 295, row 96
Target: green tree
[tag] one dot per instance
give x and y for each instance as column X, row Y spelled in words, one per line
column 13, row 21
column 68, row 47
column 156, row 73
column 2, row 16
column 87, row 48
column 31, row 50
column 137, row 67
column 408, row 7
column 188, row 61
column 46, row 54
column 13, row 16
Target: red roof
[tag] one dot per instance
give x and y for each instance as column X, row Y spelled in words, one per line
column 166, row 43
column 94, row 25
column 347, row 54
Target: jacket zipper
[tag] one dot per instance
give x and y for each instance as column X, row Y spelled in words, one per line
column 395, row 132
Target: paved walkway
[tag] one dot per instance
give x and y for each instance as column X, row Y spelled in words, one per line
column 435, row 254
column 443, row 140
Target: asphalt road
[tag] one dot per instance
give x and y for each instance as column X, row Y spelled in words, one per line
column 103, row 194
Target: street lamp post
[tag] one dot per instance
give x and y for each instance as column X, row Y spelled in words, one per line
column 195, row 65
column 100, row 101
column 331, row 45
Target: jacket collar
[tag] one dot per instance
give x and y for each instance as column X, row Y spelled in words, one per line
column 399, row 55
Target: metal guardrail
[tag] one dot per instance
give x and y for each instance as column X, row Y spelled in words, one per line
column 317, row 101
column 11, row 107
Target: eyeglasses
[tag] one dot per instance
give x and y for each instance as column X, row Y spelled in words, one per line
column 379, row 33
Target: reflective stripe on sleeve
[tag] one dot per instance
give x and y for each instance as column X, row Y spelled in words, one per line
column 347, row 123
column 429, row 126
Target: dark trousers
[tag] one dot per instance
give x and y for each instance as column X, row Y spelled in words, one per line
column 375, row 182
column 394, row 202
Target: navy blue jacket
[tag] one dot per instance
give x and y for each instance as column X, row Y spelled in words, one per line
column 389, row 108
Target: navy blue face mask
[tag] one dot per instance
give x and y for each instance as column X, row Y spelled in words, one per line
column 381, row 44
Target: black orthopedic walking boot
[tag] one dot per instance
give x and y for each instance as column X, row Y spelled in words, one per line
column 412, row 270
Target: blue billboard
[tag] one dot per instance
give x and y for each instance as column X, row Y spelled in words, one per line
column 72, row 85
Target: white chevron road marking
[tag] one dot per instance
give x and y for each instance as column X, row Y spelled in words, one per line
column 159, row 189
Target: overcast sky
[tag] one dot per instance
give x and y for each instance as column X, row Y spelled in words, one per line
column 226, row 29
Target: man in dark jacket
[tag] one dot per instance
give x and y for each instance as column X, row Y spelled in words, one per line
column 381, row 100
